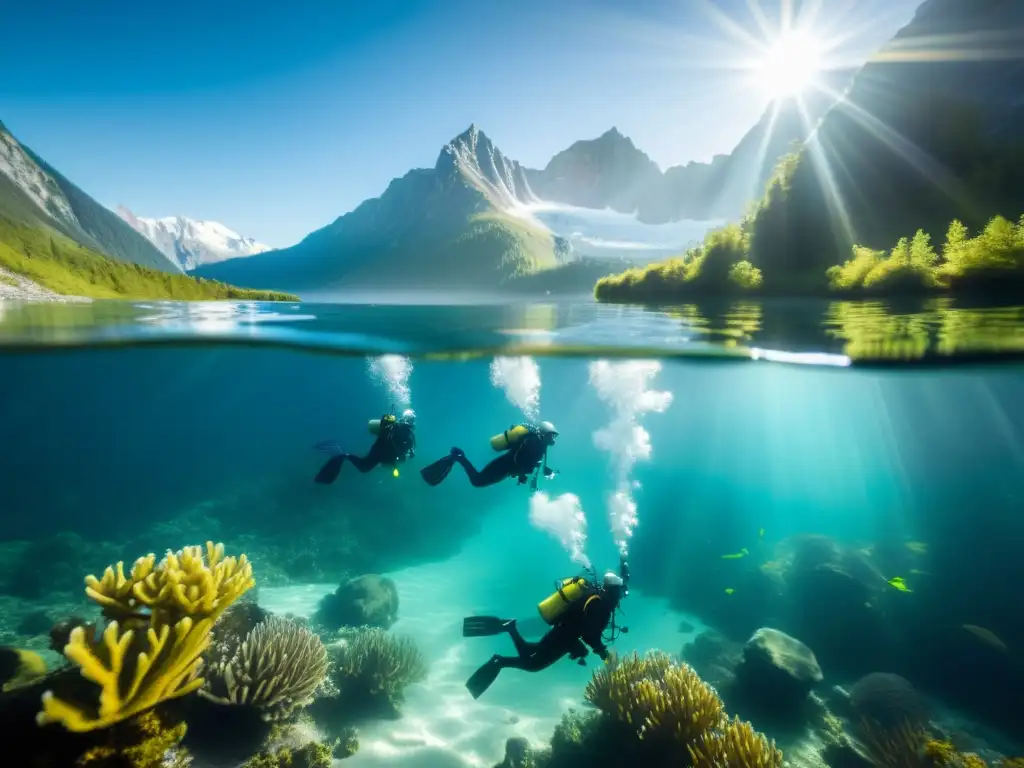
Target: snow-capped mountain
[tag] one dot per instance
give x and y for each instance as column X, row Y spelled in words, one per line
column 191, row 243
column 32, row 180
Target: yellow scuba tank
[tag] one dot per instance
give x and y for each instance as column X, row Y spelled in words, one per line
column 509, row 437
column 569, row 591
column 375, row 424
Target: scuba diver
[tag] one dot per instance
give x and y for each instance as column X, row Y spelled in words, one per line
column 396, row 442
column 525, row 451
column 579, row 611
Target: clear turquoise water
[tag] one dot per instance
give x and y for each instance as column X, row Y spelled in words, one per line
column 145, row 425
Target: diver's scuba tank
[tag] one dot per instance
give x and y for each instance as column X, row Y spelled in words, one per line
column 510, row 437
column 375, row 424
column 569, row 591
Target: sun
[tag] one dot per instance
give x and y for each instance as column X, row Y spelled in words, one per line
column 790, row 65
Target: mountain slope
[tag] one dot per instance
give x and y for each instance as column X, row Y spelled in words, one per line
column 190, row 243
column 35, row 194
column 610, row 172
column 451, row 226
column 921, row 139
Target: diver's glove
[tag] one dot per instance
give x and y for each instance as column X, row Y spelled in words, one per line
column 550, row 473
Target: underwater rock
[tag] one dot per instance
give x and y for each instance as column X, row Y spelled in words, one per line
column 518, row 754
column 714, row 657
column 777, row 668
column 888, row 700
column 369, row 600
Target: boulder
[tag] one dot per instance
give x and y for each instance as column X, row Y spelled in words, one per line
column 778, row 668
column 368, row 600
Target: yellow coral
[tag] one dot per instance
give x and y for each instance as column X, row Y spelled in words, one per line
column 658, row 697
column 25, row 667
column 736, row 745
column 168, row 610
column 182, row 583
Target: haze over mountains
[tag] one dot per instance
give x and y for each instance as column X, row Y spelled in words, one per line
column 480, row 219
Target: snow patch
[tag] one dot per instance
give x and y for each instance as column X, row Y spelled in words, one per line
column 38, row 185
column 190, row 243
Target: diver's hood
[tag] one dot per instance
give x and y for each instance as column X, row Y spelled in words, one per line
column 613, row 580
column 547, row 428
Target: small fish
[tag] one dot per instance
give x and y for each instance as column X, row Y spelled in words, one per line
column 916, row 572
column 917, row 547
column 987, row 636
column 395, row 472
column 729, row 590
column 900, row 584
column 760, row 533
column 742, row 553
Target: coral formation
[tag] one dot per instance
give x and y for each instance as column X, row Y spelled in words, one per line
column 661, row 699
column 314, row 754
column 887, row 700
column 276, row 668
column 160, row 616
column 19, row 667
column 912, row 745
column 373, row 662
column 145, row 741
column 735, row 745
column 653, row 710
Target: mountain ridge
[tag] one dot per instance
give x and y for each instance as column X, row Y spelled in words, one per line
column 191, row 242
column 37, row 194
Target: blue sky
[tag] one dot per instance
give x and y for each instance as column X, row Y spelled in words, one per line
column 276, row 117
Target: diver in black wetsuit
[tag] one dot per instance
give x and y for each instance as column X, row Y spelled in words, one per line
column 584, row 622
column 525, row 453
column 396, row 442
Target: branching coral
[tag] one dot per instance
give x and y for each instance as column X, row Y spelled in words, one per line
column 661, row 699
column 735, row 745
column 152, row 649
column 370, row 662
column 277, row 668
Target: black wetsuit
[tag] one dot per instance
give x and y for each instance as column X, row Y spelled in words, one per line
column 396, row 442
column 519, row 461
column 585, row 624
column 393, row 444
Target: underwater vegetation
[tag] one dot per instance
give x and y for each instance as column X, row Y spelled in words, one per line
column 179, row 626
column 654, row 710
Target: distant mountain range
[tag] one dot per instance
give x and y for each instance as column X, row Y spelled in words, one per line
column 33, row 194
column 190, row 243
column 467, row 222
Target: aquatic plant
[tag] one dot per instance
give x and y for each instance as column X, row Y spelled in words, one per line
column 911, row 745
column 659, row 698
column 735, row 745
column 151, row 650
column 276, row 668
column 370, row 664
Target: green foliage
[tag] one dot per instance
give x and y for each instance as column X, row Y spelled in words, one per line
column 718, row 266
column 66, row 267
column 113, row 236
column 992, row 260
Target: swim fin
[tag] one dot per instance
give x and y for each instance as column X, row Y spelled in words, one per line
column 435, row 473
column 484, row 626
column 329, row 472
column 481, row 680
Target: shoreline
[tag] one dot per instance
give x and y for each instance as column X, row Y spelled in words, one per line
column 15, row 287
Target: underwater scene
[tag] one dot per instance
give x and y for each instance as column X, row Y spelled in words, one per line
column 249, row 535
